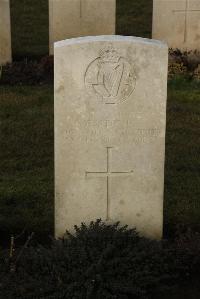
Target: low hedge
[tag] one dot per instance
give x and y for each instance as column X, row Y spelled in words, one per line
column 99, row 261
column 184, row 63
column 28, row 72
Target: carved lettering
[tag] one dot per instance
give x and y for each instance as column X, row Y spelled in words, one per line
column 102, row 130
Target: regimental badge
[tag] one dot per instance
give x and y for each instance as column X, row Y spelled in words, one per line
column 110, row 77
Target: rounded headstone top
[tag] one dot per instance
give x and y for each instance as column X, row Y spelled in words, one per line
column 110, row 38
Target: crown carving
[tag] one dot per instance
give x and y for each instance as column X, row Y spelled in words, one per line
column 109, row 55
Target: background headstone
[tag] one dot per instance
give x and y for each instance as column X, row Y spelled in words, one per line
column 5, row 32
column 178, row 23
column 74, row 18
column 110, row 110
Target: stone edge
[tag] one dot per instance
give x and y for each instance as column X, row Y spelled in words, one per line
column 109, row 38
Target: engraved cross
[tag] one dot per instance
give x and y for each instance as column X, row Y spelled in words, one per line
column 186, row 12
column 107, row 174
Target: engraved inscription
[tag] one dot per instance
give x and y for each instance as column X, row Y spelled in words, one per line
column 186, row 12
column 107, row 174
column 110, row 77
column 103, row 131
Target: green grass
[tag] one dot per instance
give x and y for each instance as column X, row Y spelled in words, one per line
column 134, row 17
column 182, row 176
column 26, row 157
column 30, row 32
column 29, row 23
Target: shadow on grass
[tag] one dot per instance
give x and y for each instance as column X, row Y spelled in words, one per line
column 26, row 159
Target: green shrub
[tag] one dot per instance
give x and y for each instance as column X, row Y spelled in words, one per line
column 98, row 261
column 184, row 63
column 28, row 72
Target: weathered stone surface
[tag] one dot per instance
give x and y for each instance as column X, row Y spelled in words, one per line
column 178, row 23
column 74, row 18
column 5, row 33
column 110, row 108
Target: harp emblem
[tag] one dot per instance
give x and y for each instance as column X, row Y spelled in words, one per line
column 110, row 77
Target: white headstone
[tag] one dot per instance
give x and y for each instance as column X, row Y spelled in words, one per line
column 74, row 18
column 5, row 32
column 110, row 108
column 178, row 23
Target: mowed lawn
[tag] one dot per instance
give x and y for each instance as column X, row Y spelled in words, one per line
column 26, row 157
column 29, row 28
column 182, row 167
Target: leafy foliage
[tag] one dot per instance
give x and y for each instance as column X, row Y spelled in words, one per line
column 28, row 72
column 184, row 63
column 98, row 261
